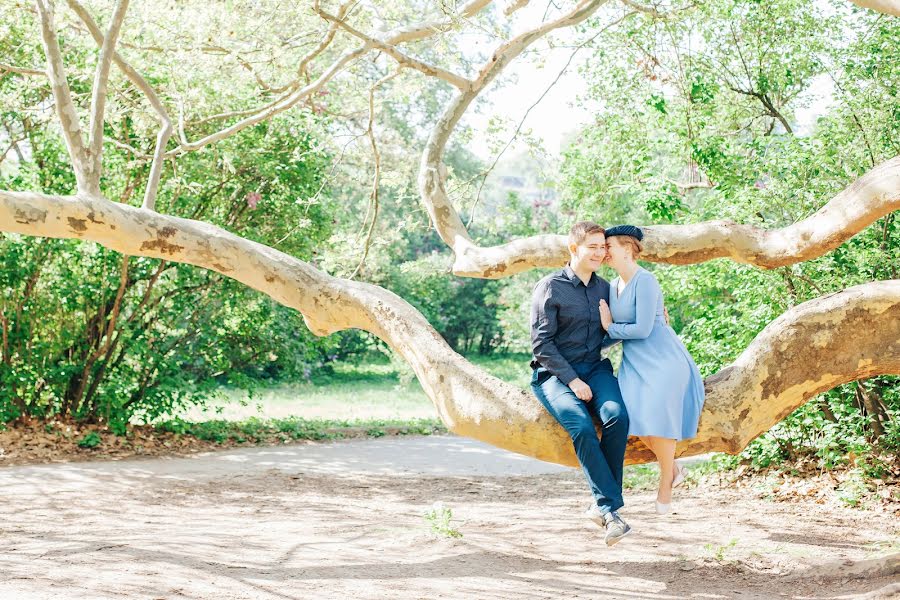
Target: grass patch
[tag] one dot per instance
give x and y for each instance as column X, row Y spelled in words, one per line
column 641, row 477
column 371, row 389
column 280, row 430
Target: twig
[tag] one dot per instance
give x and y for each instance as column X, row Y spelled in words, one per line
column 530, row 108
column 376, row 179
column 408, row 61
column 21, row 70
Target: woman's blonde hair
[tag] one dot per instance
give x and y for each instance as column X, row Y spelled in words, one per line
column 633, row 243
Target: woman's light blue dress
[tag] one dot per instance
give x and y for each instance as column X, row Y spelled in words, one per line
column 660, row 382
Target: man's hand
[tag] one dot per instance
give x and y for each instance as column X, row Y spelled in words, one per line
column 581, row 389
column 605, row 315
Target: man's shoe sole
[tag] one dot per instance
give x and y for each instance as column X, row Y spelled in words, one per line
column 614, row 541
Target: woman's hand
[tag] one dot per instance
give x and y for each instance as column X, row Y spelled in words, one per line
column 605, row 316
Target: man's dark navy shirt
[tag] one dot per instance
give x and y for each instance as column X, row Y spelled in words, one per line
column 565, row 322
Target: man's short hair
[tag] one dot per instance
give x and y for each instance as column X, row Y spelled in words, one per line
column 581, row 230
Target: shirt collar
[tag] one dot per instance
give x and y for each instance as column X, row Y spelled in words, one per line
column 569, row 273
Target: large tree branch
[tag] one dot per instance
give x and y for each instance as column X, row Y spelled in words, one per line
column 811, row 348
column 65, row 108
column 872, row 196
column 432, row 171
column 869, row 198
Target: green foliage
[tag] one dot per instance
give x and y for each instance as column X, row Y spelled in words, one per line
column 439, row 520
column 90, row 440
column 464, row 311
column 720, row 553
column 107, row 338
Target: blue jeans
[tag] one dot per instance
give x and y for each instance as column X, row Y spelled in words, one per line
column 601, row 458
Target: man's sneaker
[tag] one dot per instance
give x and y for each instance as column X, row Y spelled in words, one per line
column 616, row 528
column 593, row 513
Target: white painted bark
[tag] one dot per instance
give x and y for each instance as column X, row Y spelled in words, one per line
column 811, row 348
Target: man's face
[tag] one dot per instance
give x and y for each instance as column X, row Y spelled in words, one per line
column 590, row 253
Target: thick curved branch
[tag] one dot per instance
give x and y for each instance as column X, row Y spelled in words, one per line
column 811, row 348
column 432, row 171
column 872, row 196
column 887, row 7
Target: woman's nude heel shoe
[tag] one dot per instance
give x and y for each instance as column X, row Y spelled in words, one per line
column 680, row 472
column 662, row 509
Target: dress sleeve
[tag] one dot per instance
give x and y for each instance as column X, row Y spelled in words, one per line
column 646, row 296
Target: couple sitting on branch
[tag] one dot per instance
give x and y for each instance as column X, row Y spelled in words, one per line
column 659, row 392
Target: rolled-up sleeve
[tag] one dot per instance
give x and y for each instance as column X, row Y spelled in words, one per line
column 544, row 313
column 647, row 293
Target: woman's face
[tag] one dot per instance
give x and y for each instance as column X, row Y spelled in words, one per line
column 618, row 254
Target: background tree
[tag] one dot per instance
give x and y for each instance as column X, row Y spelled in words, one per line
column 809, row 349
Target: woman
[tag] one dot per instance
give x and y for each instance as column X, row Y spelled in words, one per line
column 661, row 386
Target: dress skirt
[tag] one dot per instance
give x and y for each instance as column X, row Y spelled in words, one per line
column 661, row 385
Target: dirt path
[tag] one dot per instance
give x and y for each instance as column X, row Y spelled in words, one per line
column 345, row 520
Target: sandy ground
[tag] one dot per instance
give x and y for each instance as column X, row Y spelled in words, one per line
column 345, row 520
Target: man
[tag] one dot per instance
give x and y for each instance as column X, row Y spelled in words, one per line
column 573, row 381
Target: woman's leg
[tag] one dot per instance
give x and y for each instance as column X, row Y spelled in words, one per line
column 664, row 448
column 649, row 442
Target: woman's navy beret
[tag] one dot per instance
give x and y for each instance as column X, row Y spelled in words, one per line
column 631, row 230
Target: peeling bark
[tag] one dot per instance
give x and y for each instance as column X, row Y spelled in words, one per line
column 815, row 346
